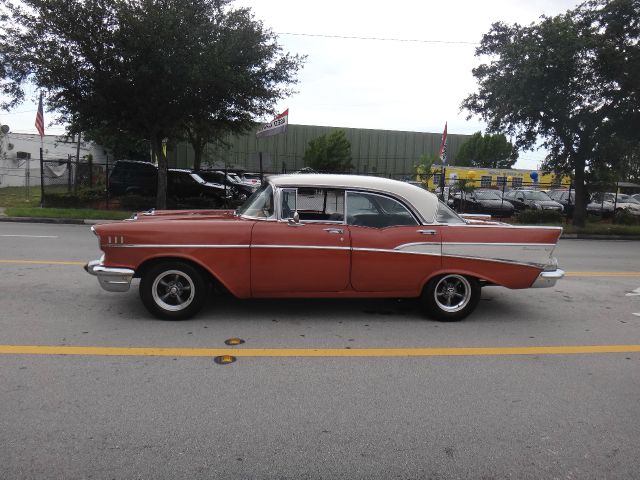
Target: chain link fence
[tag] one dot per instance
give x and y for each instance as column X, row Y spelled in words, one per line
column 85, row 184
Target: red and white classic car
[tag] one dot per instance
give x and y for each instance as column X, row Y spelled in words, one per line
column 323, row 236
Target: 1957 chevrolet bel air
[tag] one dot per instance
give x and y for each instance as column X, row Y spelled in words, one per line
column 326, row 236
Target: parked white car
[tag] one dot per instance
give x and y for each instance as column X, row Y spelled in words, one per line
column 621, row 202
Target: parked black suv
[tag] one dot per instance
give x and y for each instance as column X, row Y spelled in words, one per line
column 133, row 177
column 141, row 178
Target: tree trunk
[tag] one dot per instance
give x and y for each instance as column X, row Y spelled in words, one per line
column 580, row 209
column 161, row 198
column 197, row 158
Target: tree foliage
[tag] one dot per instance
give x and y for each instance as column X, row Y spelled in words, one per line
column 329, row 153
column 488, row 151
column 571, row 80
column 150, row 69
column 424, row 166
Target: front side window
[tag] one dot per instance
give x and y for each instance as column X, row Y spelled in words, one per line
column 376, row 211
column 446, row 215
column 313, row 204
column 288, row 206
column 260, row 204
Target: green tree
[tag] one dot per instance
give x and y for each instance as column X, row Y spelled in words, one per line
column 329, row 153
column 488, row 151
column 150, row 69
column 571, row 80
column 424, row 166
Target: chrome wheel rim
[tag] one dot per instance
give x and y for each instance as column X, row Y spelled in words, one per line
column 173, row 290
column 452, row 293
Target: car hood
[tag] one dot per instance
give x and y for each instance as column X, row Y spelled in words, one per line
column 155, row 215
column 495, row 203
column 548, row 203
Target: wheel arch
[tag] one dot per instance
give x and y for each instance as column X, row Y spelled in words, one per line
column 206, row 272
column 482, row 280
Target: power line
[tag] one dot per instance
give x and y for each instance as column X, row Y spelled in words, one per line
column 378, row 39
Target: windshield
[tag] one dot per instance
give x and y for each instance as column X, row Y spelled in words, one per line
column 537, row 196
column 259, row 204
column 197, row 178
column 627, row 198
column 486, row 195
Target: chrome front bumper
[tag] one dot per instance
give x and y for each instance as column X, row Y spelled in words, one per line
column 548, row 278
column 111, row 279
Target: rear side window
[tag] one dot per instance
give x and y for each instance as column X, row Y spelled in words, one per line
column 376, row 211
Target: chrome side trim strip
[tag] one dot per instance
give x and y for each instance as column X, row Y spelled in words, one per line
column 497, row 244
column 537, row 254
column 303, row 247
column 384, row 250
column 503, row 225
column 140, row 245
column 497, row 260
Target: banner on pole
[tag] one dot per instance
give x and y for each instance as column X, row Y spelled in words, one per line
column 276, row 126
column 443, row 146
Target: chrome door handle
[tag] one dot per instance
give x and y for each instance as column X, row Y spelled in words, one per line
column 426, row 232
column 338, row 231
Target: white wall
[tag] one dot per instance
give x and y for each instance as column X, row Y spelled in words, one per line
column 13, row 170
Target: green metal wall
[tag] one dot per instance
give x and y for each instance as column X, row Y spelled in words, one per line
column 382, row 152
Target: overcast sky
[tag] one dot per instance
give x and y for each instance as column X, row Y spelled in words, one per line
column 391, row 85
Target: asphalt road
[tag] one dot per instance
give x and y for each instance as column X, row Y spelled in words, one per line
column 436, row 416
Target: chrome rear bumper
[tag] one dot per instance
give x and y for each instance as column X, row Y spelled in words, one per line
column 548, row 278
column 111, row 279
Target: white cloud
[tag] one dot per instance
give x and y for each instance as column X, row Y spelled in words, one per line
column 381, row 84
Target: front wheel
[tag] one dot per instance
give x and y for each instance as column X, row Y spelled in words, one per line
column 451, row 297
column 173, row 290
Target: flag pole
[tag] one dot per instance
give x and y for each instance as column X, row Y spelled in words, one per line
column 40, row 127
column 41, row 173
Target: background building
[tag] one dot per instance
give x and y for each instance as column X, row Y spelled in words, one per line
column 479, row 177
column 382, row 152
column 20, row 152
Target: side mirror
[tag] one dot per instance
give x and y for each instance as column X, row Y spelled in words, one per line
column 296, row 218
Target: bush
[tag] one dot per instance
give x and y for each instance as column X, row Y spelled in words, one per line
column 86, row 197
column 624, row 217
column 136, row 203
column 539, row 216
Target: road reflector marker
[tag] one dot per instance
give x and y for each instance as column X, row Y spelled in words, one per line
column 234, row 341
column 224, row 359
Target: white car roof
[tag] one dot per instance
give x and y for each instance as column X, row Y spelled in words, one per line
column 425, row 203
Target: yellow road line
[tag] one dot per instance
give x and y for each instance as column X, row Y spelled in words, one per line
column 312, row 352
column 41, row 262
column 602, row 274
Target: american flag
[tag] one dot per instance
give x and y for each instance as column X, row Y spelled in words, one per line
column 40, row 118
column 443, row 145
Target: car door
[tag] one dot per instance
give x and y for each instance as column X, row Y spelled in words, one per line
column 392, row 253
column 305, row 257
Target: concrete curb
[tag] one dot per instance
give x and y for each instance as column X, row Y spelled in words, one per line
column 64, row 221
column 77, row 221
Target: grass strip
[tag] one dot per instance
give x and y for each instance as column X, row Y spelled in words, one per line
column 74, row 213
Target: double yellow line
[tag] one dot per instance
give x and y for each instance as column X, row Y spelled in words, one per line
column 314, row 352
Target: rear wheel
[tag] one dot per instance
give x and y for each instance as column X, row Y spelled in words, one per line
column 451, row 297
column 173, row 290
